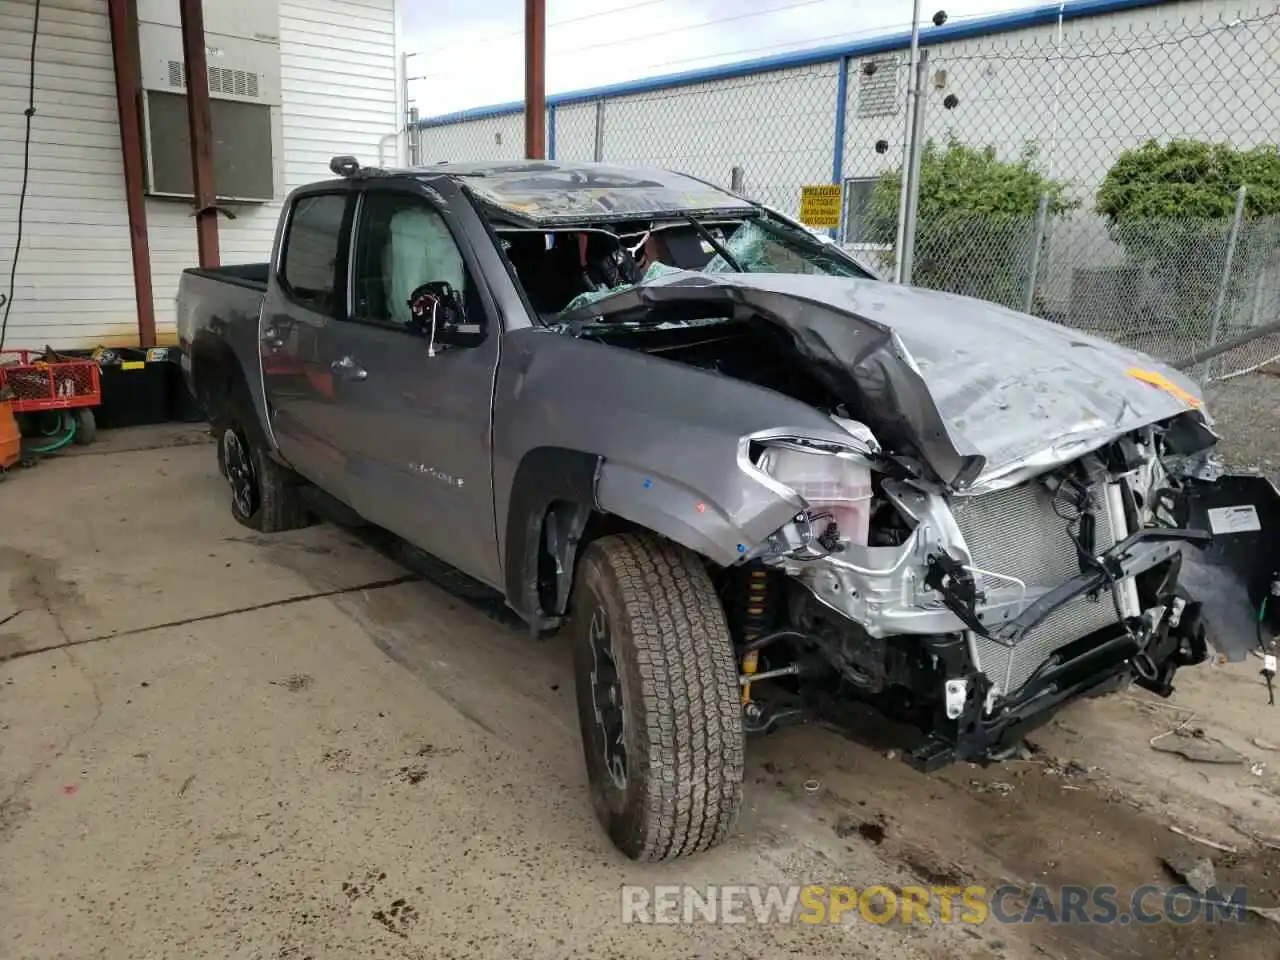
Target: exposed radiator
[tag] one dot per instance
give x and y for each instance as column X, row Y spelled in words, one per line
column 1016, row 532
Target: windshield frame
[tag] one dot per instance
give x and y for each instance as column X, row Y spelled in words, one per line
column 789, row 233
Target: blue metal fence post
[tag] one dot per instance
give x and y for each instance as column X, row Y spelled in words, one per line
column 837, row 149
column 551, row 131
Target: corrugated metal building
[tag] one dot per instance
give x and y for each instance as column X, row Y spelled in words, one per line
column 294, row 82
column 1082, row 79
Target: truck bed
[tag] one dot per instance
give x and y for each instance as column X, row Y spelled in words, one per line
column 219, row 308
column 251, row 275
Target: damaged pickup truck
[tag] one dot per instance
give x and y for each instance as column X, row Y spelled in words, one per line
column 750, row 479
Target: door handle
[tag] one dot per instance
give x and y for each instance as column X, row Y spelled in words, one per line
column 347, row 369
column 271, row 339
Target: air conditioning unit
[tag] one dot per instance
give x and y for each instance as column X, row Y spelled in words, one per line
column 244, row 99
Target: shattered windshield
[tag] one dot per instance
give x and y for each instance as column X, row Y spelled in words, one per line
column 756, row 245
column 564, row 270
column 764, row 245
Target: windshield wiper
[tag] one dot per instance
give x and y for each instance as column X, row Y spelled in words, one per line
column 716, row 245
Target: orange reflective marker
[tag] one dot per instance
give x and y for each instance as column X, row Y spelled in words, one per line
column 1165, row 384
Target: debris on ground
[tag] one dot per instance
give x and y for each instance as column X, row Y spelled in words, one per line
column 1196, row 872
column 1224, row 847
column 1199, row 874
column 1261, row 839
column 1196, row 745
column 992, row 786
column 1068, row 769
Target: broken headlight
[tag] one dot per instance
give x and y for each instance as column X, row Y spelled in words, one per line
column 828, row 477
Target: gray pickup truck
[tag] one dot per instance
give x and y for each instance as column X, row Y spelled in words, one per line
column 753, row 481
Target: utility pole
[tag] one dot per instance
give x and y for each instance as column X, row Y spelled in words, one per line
column 535, row 79
column 406, row 121
column 201, row 128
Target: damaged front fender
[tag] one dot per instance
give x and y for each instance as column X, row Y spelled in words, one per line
column 688, row 516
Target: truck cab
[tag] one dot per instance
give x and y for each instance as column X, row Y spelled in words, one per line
column 366, row 402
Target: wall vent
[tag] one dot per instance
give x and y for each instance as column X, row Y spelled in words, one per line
column 236, row 83
column 878, row 88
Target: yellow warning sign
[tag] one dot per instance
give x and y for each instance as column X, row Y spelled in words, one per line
column 820, row 205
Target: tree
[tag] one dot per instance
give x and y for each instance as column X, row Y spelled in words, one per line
column 975, row 220
column 1171, row 207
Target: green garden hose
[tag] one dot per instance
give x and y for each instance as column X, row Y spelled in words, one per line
column 64, row 420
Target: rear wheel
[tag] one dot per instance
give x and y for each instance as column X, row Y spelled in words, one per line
column 658, row 697
column 265, row 496
column 86, row 426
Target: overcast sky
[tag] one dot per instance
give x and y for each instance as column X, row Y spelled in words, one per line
column 471, row 54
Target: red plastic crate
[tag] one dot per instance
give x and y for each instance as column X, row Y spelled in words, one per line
column 38, row 385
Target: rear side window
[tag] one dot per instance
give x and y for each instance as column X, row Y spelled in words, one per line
column 312, row 252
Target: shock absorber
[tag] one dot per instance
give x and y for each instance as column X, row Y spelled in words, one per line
column 758, row 613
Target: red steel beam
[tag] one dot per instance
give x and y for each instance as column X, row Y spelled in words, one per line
column 535, row 79
column 201, row 128
column 128, row 97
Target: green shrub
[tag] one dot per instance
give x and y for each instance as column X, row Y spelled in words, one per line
column 976, row 218
column 1171, row 205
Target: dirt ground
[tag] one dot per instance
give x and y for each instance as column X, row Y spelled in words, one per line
column 1244, row 409
column 214, row 744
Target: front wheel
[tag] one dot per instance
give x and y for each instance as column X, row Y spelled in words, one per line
column 658, row 697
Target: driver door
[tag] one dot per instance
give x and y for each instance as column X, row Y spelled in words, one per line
column 413, row 415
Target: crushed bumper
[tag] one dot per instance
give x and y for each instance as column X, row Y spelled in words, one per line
column 1093, row 667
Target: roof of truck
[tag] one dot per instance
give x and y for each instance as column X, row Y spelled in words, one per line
column 545, row 192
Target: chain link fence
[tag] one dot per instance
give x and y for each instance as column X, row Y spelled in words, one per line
column 1025, row 151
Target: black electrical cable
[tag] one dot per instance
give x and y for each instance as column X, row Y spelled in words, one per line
column 26, row 172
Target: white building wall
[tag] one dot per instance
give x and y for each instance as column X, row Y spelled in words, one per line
column 576, row 131
column 487, row 138
column 338, row 95
column 779, row 126
column 1097, row 100
column 75, row 281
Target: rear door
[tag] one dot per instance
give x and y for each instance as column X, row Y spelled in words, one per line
column 413, row 418
column 306, row 294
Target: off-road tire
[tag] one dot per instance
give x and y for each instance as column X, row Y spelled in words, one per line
column 276, row 503
column 681, row 711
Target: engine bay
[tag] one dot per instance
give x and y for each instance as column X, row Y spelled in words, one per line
column 955, row 614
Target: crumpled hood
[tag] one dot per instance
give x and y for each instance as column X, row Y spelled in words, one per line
column 981, row 393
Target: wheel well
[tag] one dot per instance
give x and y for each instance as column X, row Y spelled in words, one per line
column 567, row 529
column 220, row 385
column 212, row 369
column 551, row 516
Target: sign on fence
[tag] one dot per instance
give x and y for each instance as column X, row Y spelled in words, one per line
column 820, row 205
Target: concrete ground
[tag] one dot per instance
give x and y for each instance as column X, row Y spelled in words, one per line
column 216, row 744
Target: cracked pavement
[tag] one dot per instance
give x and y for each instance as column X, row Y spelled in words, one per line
column 230, row 746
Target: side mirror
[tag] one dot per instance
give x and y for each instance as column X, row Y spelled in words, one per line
column 440, row 316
